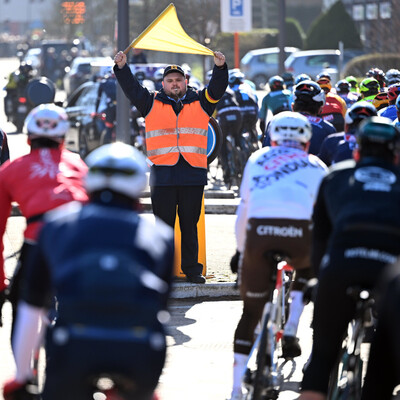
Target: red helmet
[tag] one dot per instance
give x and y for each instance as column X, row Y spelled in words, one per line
column 393, row 92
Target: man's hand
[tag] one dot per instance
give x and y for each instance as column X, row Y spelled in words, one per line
column 219, row 59
column 120, row 59
column 2, row 300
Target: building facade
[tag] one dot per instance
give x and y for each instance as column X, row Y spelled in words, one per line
column 378, row 22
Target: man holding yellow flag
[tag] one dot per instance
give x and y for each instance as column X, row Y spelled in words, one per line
column 177, row 119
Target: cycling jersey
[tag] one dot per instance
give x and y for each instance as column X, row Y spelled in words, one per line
column 275, row 101
column 278, row 182
column 388, row 112
column 356, row 234
column 39, row 182
column 337, row 147
column 110, row 286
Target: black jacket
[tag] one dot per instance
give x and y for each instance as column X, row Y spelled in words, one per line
column 358, row 204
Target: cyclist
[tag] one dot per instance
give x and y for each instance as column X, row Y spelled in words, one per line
column 335, row 107
column 355, row 235
column 339, row 146
column 369, row 88
column 383, row 372
column 308, row 99
column 229, row 116
column 191, row 80
column 381, row 100
column 248, row 103
column 288, row 80
column 354, row 84
column 275, row 101
column 110, row 286
column 396, row 121
column 379, row 75
column 45, row 178
column 343, row 89
column 277, row 194
column 108, row 86
column 390, row 111
column 392, row 76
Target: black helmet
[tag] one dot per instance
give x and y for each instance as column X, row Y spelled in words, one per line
column 275, row 83
column 378, row 74
column 378, row 131
column 358, row 112
column 309, row 92
column 343, row 87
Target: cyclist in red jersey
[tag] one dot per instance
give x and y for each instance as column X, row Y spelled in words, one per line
column 47, row 177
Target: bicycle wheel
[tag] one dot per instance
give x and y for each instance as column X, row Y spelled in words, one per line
column 261, row 361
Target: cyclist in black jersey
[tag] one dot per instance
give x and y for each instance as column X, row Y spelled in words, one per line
column 356, row 234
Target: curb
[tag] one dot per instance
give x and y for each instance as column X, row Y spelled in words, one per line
column 185, row 290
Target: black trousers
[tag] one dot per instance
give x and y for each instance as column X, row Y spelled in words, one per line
column 186, row 200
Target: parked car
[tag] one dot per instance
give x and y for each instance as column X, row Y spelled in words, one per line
column 313, row 62
column 85, row 130
column 83, row 69
column 259, row 65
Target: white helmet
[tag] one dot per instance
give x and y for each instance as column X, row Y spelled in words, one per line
column 290, row 126
column 118, row 167
column 48, row 121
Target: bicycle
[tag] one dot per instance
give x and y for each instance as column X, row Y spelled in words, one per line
column 262, row 377
column 346, row 378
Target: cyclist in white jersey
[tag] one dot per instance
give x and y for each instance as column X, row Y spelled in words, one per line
column 278, row 190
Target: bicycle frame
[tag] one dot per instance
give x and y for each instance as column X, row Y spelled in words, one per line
column 261, row 377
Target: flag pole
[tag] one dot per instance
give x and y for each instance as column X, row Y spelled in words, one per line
column 149, row 28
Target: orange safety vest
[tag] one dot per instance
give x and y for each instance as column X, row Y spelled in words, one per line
column 168, row 134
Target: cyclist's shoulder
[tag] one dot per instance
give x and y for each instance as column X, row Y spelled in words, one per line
column 341, row 168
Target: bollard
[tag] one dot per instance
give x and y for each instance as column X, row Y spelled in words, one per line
column 201, row 237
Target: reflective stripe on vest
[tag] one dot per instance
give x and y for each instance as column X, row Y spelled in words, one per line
column 168, row 135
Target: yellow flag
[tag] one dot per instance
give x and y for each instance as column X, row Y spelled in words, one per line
column 165, row 33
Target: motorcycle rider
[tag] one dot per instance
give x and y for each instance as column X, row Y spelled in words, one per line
column 108, row 86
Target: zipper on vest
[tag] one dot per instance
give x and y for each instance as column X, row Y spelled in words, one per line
column 177, row 134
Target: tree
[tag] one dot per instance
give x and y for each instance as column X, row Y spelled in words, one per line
column 294, row 33
column 332, row 27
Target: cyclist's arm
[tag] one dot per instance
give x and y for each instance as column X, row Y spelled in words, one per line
column 262, row 114
column 321, row 230
column 242, row 210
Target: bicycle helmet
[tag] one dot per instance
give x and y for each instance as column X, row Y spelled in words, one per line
column 378, row 74
column 289, row 126
column 343, row 87
column 301, row 78
column 309, row 92
column 393, row 92
column 275, row 83
column 288, row 79
column 392, row 76
column 236, row 78
column 381, row 100
column 369, row 87
column 353, row 82
column 356, row 113
column 398, row 104
column 158, row 75
column 47, row 121
column 378, row 131
column 118, row 167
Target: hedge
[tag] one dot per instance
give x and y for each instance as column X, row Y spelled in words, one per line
column 359, row 66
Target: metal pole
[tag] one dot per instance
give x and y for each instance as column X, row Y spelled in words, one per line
column 123, row 126
column 282, row 35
